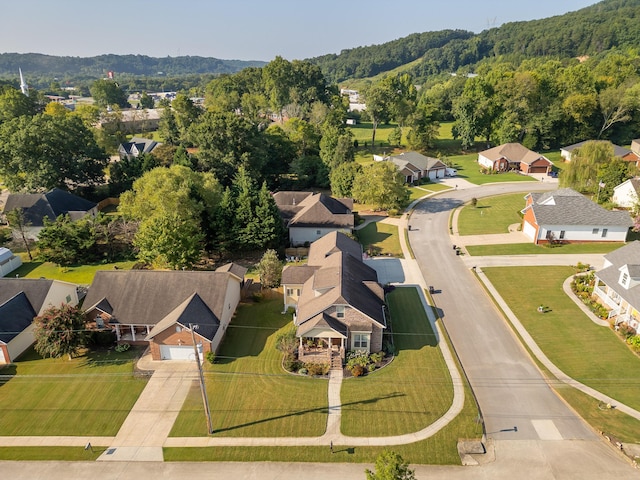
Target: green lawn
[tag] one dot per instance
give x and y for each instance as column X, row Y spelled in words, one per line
column 81, row 274
column 67, row 454
column 380, row 239
column 413, row 391
column 422, row 190
column 491, row 215
column 533, row 249
column 468, row 168
column 88, row 395
column 591, row 354
column 250, row 395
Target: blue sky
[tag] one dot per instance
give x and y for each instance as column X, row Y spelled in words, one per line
column 245, row 29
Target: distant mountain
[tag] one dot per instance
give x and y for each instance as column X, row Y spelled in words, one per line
column 36, row 64
column 588, row 31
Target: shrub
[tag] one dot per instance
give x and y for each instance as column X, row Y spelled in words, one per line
column 303, row 371
column 357, row 370
column 318, row 368
column 123, row 347
column 371, row 367
column 377, row 357
column 103, row 338
column 210, row 356
column 393, row 212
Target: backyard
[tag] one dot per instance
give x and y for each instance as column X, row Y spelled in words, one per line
column 589, row 353
column 379, row 238
column 80, row 274
column 90, row 394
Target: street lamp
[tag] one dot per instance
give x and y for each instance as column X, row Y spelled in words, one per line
column 203, row 390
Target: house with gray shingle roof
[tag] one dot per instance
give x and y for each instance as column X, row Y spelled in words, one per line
column 37, row 207
column 340, row 305
column 414, row 166
column 618, row 285
column 568, row 216
column 618, row 152
column 137, row 146
column 627, row 194
column 309, row 216
column 513, row 156
column 21, row 300
column 165, row 309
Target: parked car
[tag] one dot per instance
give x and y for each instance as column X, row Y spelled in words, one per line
column 552, row 174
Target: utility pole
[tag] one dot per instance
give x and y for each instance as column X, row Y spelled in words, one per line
column 203, row 390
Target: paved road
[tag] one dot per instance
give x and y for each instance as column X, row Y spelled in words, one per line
column 515, row 400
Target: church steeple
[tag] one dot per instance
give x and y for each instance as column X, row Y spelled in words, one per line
column 23, row 85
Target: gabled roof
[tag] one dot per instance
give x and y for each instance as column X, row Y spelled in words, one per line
column 138, row 145
column 568, row 207
column 635, row 184
column 618, row 151
column 513, row 152
column 323, row 321
column 193, row 311
column 416, row 162
column 330, row 243
column 297, row 274
column 144, row 297
column 51, row 205
column 35, row 289
column 315, row 210
column 628, row 255
column 235, row 269
column 16, row 314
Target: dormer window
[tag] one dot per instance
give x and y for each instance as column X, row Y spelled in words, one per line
column 340, row 311
column 624, row 279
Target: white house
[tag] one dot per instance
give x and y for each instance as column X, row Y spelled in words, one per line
column 619, row 152
column 21, row 300
column 8, row 261
column 618, row 285
column 568, row 216
column 626, row 194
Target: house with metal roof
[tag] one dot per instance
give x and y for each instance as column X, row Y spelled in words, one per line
column 166, row 310
column 37, row 207
column 617, row 285
column 568, row 216
column 514, row 156
column 309, row 216
column 21, row 300
column 340, row 305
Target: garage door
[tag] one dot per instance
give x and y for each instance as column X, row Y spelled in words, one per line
column 178, row 352
column 529, row 230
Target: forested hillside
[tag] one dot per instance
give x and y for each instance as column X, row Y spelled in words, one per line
column 589, row 31
column 47, row 65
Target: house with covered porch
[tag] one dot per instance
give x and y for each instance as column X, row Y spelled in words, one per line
column 166, row 310
column 617, row 285
column 340, row 306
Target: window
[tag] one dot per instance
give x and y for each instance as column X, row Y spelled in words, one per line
column 318, row 232
column 99, row 322
column 624, row 279
column 340, row 311
column 178, row 328
column 361, row 340
column 595, row 231
column 289, row 292
column 293, row 291
column 561, row 234
column 604, row 232
column 68, row 298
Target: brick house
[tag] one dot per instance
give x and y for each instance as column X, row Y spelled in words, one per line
column 513, row 156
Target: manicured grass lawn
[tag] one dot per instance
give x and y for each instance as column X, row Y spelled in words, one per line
column 591, row 354
column 88, row 395
column 532, row 249
column 250, row 394
column 67, row 454
column 380, row 239
column 410, row 393
column 426, row 189
column 363, row 131
column 468, row 168
column 491, row 215
column 81, row 274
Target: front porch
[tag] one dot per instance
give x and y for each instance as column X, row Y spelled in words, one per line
column 132, row 333
column 322, row 350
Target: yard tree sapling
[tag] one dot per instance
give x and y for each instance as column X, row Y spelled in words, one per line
column 270, row 269
column 390, row 466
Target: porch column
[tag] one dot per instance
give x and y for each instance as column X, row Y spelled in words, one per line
column 133, row 333
column 117, row 332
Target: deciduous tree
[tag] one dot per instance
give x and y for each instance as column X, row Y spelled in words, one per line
column 390, row 466
column 59, row 331
column 270, row 269
column 380, row 185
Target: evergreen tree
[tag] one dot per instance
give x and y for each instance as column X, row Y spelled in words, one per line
column 271, row 227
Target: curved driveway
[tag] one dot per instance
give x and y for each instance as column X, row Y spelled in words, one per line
column 515, row 400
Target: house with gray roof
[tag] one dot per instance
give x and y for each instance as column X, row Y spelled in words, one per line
column 625, row 154
column 617, row 285
column 309, row 216
column 8, row 261
column 627, row 194
column 514, row 156
column 21, row 300
column 340, row 305
column 568, row 216
column 137, row 146
column 37, row 207
column 414, row 166
column 165, row 309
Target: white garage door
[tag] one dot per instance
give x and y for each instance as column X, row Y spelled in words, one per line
column 529, row 230
column 2, row 360
column 177, row 352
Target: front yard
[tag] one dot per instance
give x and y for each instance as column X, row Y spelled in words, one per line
column 591, row 354
column 533, row 249
column 249, row 392
column 491, row 215
column 89, row 395
column 469, row 169
column 411, row 392
column 379, row 238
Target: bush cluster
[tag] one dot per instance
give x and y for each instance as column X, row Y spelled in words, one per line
column 359, row 363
